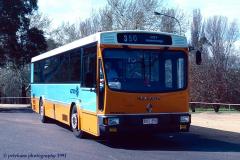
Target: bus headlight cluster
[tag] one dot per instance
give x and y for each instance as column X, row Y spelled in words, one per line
column 111, row 121
column 184, row 119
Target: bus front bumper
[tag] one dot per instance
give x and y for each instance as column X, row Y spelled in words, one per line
column 152, row 123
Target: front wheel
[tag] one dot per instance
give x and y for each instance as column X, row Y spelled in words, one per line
column 74, row 123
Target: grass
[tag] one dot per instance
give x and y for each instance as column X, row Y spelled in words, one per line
column 210, row 109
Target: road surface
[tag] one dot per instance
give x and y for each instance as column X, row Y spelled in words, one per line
column 22, row 136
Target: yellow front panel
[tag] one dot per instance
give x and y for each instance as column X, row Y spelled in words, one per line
column 89, row 122
column 130, row 103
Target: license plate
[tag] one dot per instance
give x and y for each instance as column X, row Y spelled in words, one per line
column 150, row 121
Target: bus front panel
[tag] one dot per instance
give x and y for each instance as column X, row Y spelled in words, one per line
column 145, row 90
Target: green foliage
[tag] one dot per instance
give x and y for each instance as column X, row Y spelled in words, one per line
column 19, row 42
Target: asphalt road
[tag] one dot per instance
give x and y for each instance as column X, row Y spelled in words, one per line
column 22, row 136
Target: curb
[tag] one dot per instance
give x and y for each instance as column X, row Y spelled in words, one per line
column 14, row 106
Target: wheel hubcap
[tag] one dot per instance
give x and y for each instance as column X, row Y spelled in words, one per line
column 74, row 120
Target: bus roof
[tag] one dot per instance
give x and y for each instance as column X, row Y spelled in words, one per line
column 124, row 37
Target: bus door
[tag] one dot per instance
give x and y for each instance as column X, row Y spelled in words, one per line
column 88, row 91
column 101, row 86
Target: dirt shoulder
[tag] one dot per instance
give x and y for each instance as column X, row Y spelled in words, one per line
column 222, row 121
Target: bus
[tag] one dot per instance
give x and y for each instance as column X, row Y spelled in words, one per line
column 115, row 82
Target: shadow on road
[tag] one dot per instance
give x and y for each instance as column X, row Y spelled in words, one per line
column 198, row 139
column 16, row 110
column 62, row 125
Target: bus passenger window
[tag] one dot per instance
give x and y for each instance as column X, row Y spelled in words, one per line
column 89, row 67
column 51, row 69
column 75, row 66
column 38, row 72
column 88, row 79
column 62, row 73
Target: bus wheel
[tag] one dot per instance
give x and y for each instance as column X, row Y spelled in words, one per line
column 43, row 118
column 74, row 123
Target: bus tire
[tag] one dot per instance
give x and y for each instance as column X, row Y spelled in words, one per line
column 74, row 123
column 43, row 118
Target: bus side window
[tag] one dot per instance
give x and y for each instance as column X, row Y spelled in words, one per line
column 51, row 69
column 89, row 67
column 75, row 66
column 62, row 72
column 88, row 79
column 38, row 72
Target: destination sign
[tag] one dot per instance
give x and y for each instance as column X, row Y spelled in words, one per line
column 144, row 38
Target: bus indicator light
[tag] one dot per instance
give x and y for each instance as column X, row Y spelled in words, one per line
column 111, row 121
column 105, row 121
column 183, row 127
column 112, row 129
column 184, row 119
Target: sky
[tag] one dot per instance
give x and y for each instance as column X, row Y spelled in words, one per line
column 228, row 8
column 74, row 10
column 69, row 10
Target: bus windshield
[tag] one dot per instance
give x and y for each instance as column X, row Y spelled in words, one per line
column 140, row 70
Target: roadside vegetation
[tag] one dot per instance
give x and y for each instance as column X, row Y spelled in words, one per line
column 213, row 108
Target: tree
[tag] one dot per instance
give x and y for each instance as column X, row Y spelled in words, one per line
column 199, row 78
column 215, row 80
column 40, row 21
column 19, row 42
column 168, row 24
column 66, row 33
column 135, row 14
column 197, row 28
column 122, row 15
column 221, row 35
column 106, row 19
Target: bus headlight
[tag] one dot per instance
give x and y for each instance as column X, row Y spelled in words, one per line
column 184, row 119
column 111, row 121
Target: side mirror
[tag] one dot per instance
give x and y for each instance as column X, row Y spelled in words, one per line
column 198, row 57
